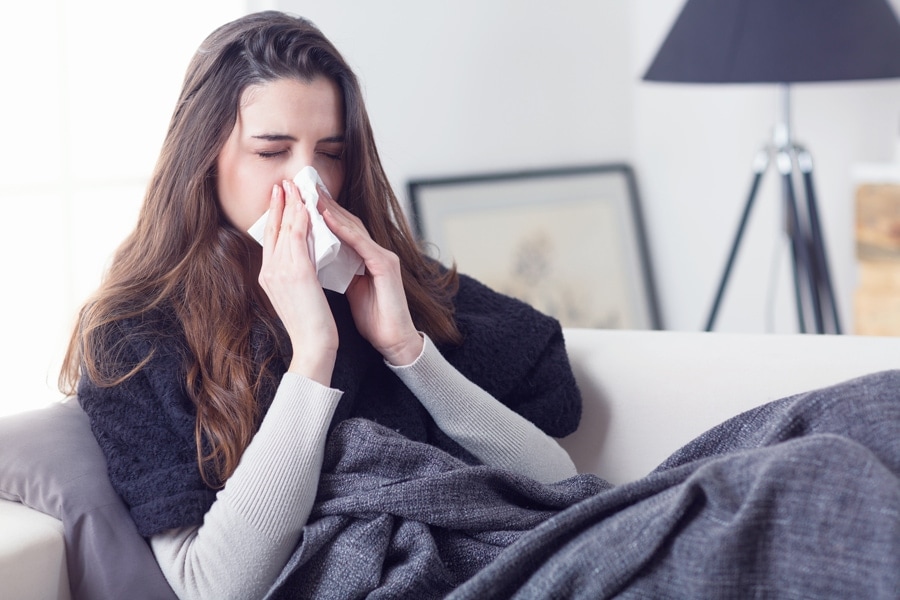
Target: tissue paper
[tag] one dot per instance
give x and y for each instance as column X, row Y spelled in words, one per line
column 336, row 263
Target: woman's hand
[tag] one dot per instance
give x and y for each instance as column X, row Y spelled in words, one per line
column 377, row 299
column 288, row 276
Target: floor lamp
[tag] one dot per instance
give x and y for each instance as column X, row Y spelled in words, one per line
column 783, row 42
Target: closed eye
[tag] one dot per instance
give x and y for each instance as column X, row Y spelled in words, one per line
column 331, row 155
column 271, row 154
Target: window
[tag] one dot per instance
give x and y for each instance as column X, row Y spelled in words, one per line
column 89, row 86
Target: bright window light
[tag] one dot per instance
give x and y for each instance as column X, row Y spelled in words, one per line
column 86, row 103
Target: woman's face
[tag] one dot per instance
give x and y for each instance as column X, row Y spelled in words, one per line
column 281, row 127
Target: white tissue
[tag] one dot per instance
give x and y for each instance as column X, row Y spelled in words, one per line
column 336, row 263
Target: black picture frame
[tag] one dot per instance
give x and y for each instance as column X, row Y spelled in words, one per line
column 570, row 241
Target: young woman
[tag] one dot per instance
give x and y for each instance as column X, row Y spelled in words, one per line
column 212, row 368
column 217, row 372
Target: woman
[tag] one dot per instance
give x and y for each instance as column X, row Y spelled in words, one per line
column 212, row 369
column 220, row 381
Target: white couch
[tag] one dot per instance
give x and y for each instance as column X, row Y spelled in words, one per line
column 646, row 393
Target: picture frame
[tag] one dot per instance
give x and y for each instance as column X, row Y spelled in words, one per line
column 569, row 241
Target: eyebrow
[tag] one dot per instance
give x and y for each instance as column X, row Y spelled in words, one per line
column 280, row 137
column 275, row 137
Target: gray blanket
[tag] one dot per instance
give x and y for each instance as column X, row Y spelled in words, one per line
column 799, row 498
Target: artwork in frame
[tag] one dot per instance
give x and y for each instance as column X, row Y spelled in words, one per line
column 568, row 241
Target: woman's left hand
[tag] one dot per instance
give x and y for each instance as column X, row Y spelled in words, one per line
column 377, row 299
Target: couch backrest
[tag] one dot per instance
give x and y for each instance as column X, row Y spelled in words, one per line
column 646, row 393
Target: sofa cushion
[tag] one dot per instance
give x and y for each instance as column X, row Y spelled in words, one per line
column 50, row 461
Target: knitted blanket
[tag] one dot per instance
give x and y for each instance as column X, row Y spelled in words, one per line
column 798, row 498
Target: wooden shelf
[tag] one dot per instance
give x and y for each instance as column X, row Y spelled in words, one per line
column 877, row 299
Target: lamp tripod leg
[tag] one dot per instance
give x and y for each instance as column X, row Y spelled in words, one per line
column 799, row 249
column 760, row 164
column 801, row 245
column 817, row 250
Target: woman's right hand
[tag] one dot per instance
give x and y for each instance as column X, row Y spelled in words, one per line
column 288, row 276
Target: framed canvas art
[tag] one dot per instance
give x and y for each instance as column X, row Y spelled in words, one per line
column 568, row 241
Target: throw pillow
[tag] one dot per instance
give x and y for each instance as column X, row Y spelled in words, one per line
column 50, row 461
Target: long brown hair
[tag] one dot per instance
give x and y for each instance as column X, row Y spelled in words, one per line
column 184, row 256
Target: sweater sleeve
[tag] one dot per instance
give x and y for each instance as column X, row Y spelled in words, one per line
column 517, row 355
column 491, row 431
column 256, row 520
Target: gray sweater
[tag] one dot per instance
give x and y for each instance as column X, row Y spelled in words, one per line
column 255, row 522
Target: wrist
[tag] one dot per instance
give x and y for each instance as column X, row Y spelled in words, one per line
column 406, row 352
column 317, row 367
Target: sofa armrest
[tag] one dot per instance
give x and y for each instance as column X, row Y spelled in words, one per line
column 32, row 554
column 647, row 393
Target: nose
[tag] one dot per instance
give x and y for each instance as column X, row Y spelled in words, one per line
column 300, row 157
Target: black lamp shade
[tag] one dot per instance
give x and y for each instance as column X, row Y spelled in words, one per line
column 779, row 41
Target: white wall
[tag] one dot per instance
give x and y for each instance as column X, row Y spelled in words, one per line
column 463, row 86
column 694, row 146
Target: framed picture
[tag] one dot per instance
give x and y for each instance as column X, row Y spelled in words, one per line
column 568, row 241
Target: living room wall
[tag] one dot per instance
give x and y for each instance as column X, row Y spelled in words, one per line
column 694, row 146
